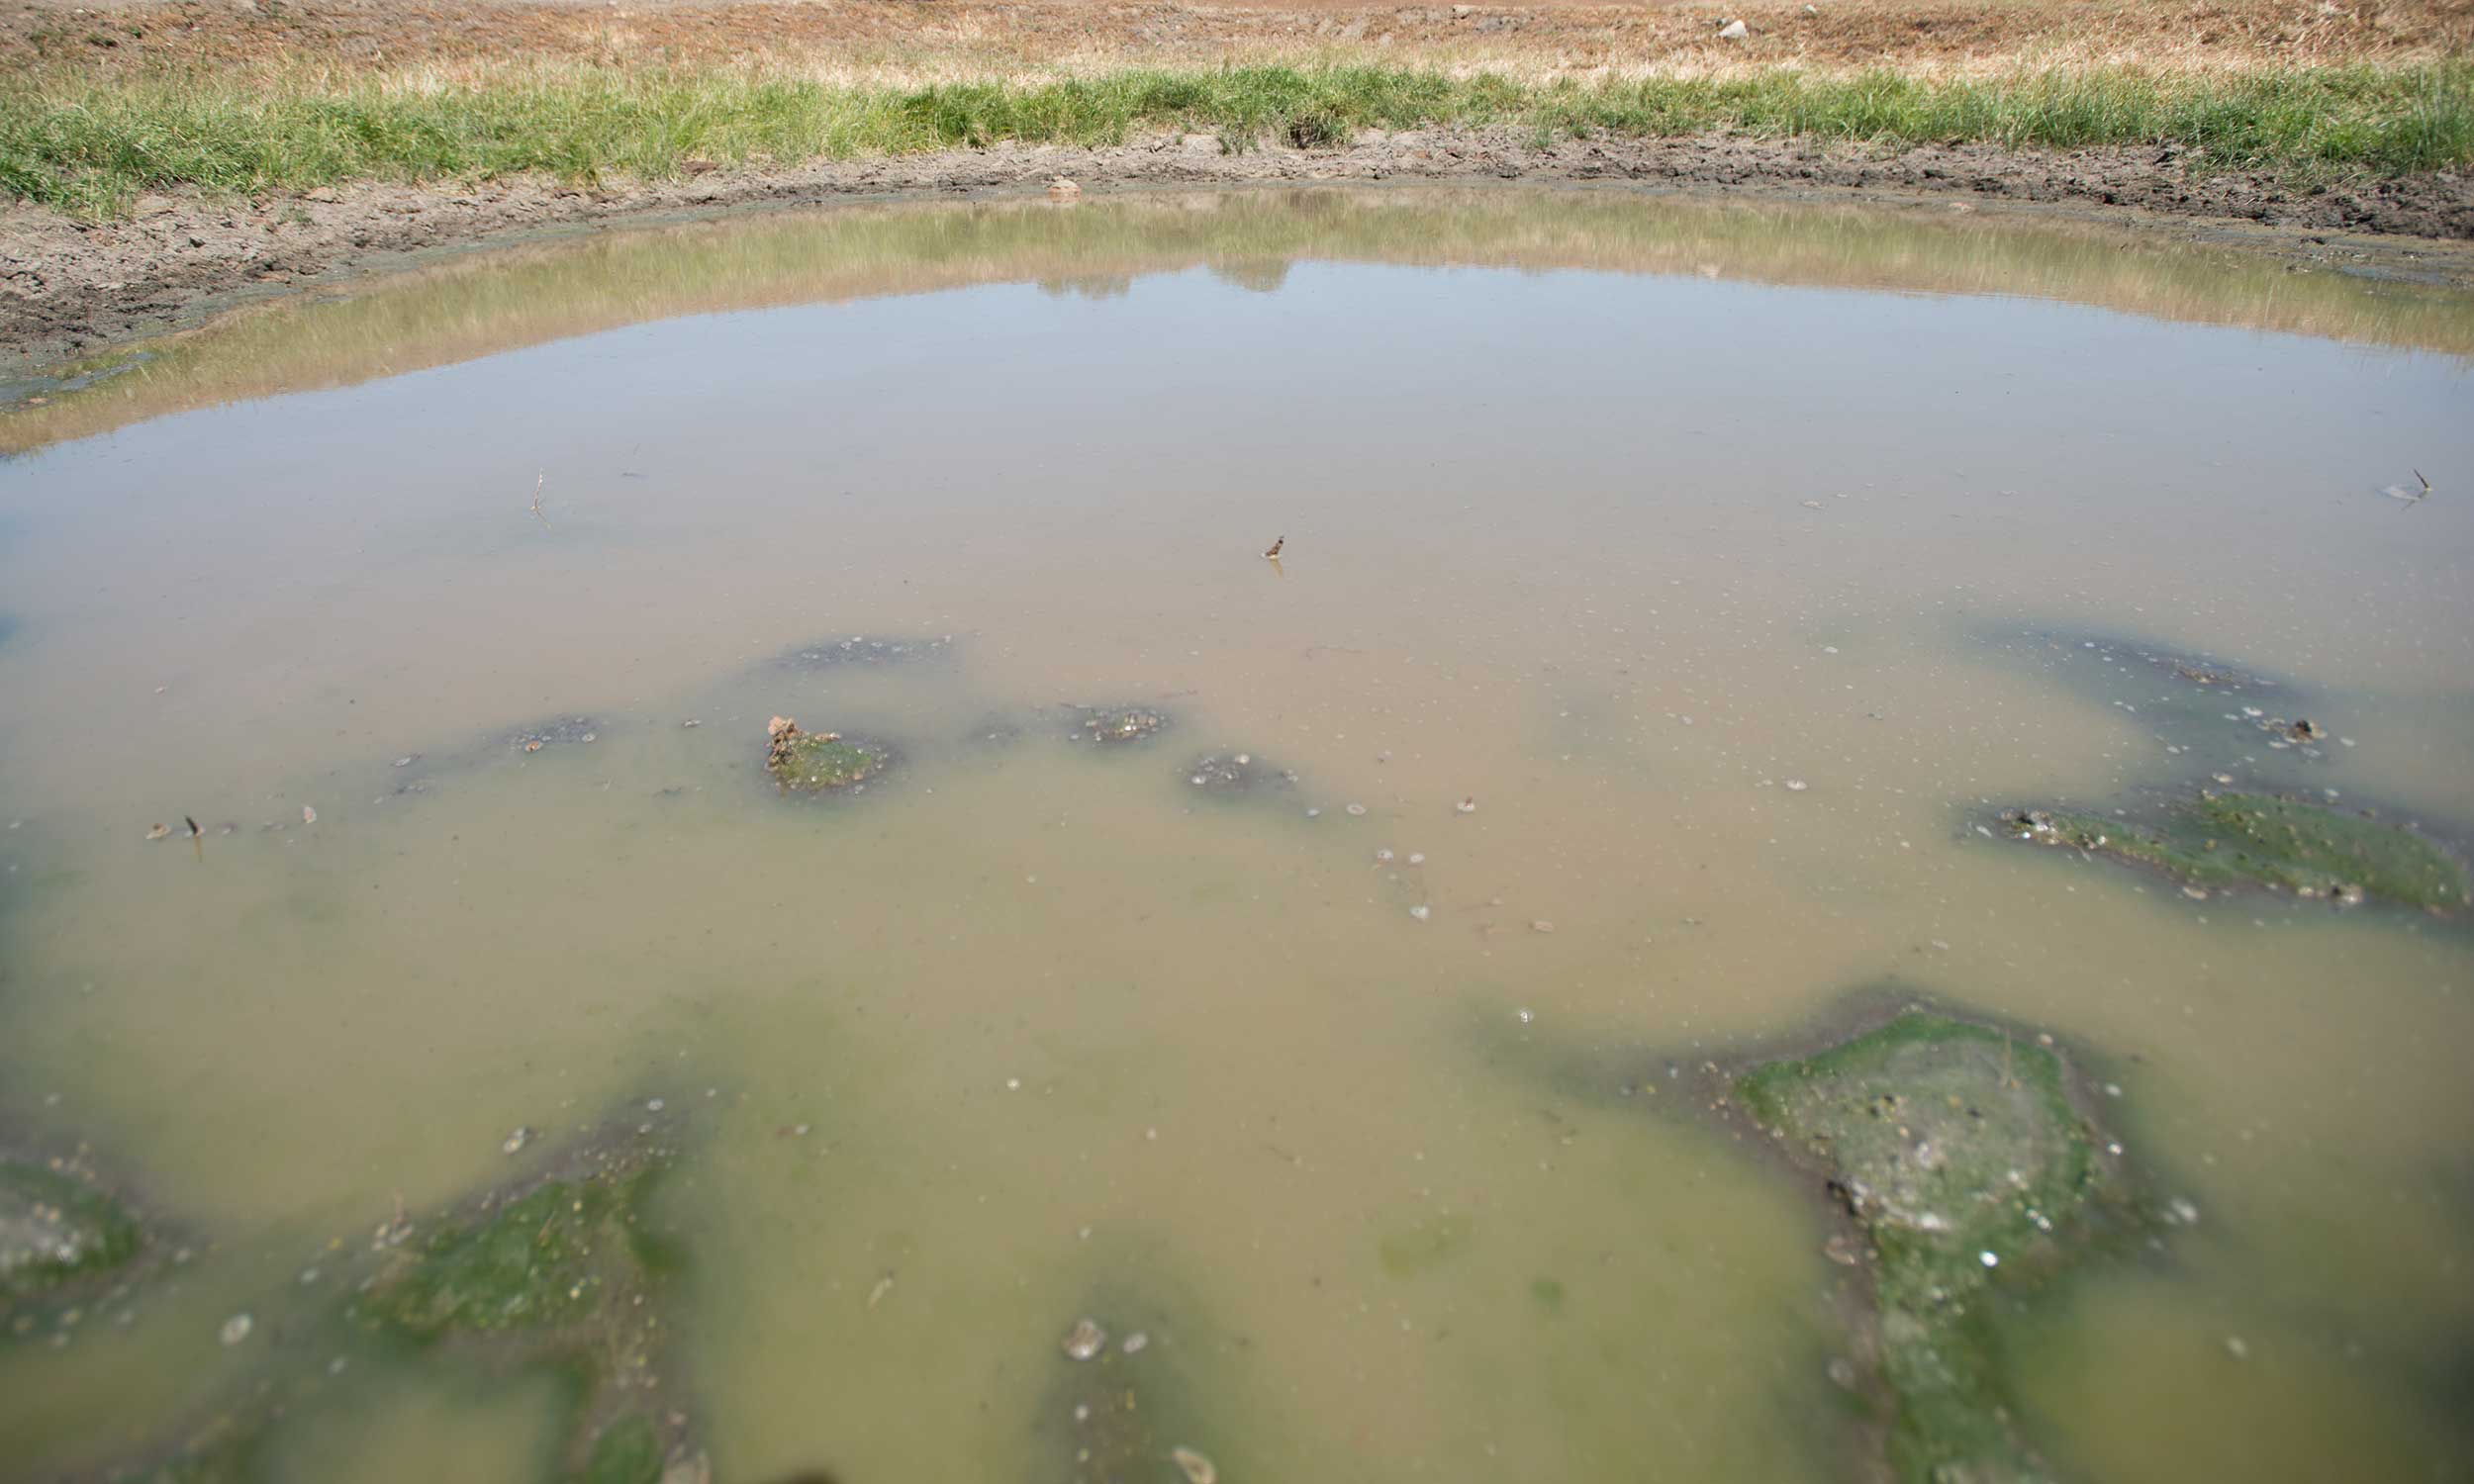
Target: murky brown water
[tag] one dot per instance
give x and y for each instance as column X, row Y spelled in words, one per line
column 1616, row 515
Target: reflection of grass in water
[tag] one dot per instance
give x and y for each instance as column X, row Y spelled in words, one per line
column 85, row 143
column 528, row 296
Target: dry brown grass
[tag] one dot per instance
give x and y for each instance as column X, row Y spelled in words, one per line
column 907, row 44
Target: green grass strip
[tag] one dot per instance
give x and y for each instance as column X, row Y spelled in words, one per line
column 88, row 144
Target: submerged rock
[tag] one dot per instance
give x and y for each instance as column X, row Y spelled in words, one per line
column 1958, row 1152
column 1115, row 725
column 2226, row 841
column 803, row 762
column 57, row 1226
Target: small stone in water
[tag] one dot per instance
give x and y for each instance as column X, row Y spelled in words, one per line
column 1135, row 1343
column 236, row 1329
column 1197, row 1468
column 1085, row 1340
column 1421, row 911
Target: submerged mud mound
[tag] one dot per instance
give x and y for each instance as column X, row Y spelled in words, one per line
column 1122, row 1407
column 62, row 1235
column 1237, row 774
column 1957, row 1151
column 2221, row 842
column 865, row 650
column 558, row 731
column 804, row 762
column 561, row 1273
column 2202, row 705
column 1116, row 726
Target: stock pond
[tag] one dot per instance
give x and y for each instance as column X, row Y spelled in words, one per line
column 1833, row 851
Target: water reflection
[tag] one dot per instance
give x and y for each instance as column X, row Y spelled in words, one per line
column 481, row 305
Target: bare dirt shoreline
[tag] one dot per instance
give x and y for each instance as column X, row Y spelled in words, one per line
column 69, row 289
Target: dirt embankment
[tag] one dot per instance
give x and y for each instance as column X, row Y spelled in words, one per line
column 68, row 288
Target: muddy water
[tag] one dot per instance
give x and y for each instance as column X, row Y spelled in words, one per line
column 1622, row 518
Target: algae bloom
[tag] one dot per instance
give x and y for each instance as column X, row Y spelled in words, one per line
column 2221, row 841
column 1957, row 1150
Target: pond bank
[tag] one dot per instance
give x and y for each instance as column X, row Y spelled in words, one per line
column 74, row 288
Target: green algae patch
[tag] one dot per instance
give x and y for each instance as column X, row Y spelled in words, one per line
column 565, row 1275
column 540, row 1261
column 57, row 1225
column 629, row 1451
column 803, row 762
column 1957, row 1150
column 2229, row 841
column 1425, row 1243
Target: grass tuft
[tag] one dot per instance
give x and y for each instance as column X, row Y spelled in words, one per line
column 88, row 144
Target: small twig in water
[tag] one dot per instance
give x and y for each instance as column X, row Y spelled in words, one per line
column 538, row 483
